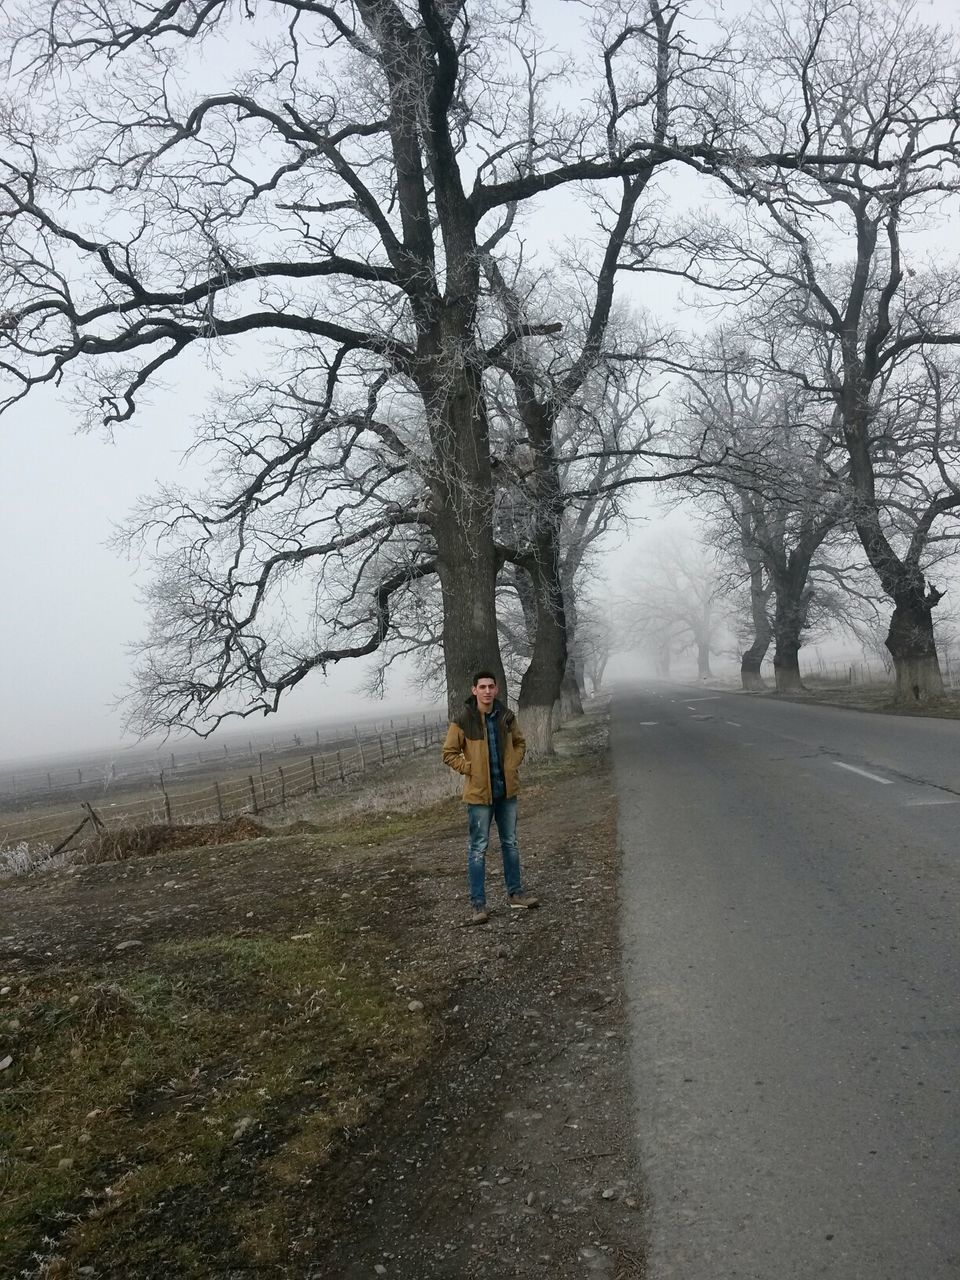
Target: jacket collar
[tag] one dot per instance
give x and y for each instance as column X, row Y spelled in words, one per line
column 471, row 705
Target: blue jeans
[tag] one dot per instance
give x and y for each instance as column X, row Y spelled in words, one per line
column 479, row 817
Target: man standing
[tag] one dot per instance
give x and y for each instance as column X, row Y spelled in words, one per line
column 485, row 744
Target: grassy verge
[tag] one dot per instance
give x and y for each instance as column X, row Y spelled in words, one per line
column 177, row 1109
column 159, row 1117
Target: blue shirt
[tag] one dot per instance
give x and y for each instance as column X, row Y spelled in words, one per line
column 497, row 782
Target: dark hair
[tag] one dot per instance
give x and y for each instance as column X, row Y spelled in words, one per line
column 485, row 675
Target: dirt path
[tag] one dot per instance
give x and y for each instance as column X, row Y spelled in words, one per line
column 488, row 1133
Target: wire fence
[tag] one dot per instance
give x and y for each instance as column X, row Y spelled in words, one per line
column 267, row 786
column 874, row 671
column 92, row 775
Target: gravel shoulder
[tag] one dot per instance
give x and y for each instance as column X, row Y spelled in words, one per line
column 340, row 1079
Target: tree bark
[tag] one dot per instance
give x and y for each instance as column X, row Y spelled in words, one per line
column 786, row 666
column 462, row 523
column 910, row 639
column 789, row 621
column 541, row 682
column 536, row 721
column 571, row 704
column 750, row 663
column 572, row 687
column 912, row 646
column 751, row 660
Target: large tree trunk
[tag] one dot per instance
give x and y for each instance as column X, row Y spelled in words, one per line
column 751, row 660
column 541, row 683
column 910, row 639
column 540, row 687
column 786, row 667
column 470, row 641
column 912, row 646
column 571, row 704
column 572, row 686
column 463, row 529
column 789, row 620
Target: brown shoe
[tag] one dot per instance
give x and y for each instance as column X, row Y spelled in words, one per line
column 523, row 901
column 480, row 916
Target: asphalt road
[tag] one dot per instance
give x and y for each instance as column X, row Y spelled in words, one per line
column 790, row 906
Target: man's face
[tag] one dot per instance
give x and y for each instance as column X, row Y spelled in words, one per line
column 485, row 690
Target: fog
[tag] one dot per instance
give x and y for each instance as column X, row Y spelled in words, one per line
column 72, row 601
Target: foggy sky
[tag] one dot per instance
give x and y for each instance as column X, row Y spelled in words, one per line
column 70, row 604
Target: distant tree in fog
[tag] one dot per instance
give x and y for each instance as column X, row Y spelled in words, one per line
column 828, row 258
column 675, row 603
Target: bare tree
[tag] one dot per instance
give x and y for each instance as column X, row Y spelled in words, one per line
column 675, row 604
column 334, row 196
column 836, row 253
column 774, row 515
column 337, row 196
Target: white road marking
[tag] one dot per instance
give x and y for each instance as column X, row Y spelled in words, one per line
column 734, row 723
column 938, row 801
column 887, row 782
column 714, row 697
column 649, row 721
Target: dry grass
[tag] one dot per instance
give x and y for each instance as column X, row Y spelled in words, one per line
column 173, row 1108
column 147, row 1108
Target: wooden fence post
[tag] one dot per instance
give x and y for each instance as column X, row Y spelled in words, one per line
column 283, row 786
column 216, row 792
column 313, row 771
column 167, row 800
column 340, row 764
column 253, row 795
column 382, row 756
column 363, row 762
column 397, row 738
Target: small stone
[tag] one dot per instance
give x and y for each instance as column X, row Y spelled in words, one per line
column 380, row 1269
column 6, row 1062
column 596, row 1261
column 4, row 991
column 530, row 1197
column 243, row 1125
column 125, row 946
column 415, row 1006
column 609, row 1194
column 630, row 1201
column 65, row 1163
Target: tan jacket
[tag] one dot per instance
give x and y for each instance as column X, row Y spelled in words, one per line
column 465, row 749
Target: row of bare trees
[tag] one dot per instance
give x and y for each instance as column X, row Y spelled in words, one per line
column 835, row 364
column 428, row 416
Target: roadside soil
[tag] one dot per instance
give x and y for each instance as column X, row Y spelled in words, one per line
column 290, row 1056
